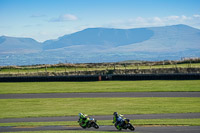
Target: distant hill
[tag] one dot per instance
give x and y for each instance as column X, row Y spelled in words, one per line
column 101, row 37
column 14, row 45
column 105, row 45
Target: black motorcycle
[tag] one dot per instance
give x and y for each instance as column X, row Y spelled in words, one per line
column 125, row 124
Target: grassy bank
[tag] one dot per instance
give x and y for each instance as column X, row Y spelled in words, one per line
column 19, row 108
column 103, row 86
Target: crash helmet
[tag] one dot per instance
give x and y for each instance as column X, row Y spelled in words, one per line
column 115, row 113
column 80, row 114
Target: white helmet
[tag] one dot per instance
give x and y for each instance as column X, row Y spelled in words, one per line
column 80, row 114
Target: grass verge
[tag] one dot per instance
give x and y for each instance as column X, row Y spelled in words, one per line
column 19, row 108
column 103, row 86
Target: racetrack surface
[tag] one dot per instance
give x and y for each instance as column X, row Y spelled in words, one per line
column 139, row 129
column 104, row 117
column 103, row 94
column 152, row 129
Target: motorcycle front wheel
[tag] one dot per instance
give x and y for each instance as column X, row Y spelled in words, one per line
column 96, row 126
column 131, row 127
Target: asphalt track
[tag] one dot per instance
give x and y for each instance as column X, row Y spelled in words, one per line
column 152, row 129
column 105, row 117
column 93, row 95
column 139, row 129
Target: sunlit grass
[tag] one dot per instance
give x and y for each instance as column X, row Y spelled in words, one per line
column 19, row 108
column 102, row 86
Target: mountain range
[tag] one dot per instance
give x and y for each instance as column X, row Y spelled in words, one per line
column 104, row 45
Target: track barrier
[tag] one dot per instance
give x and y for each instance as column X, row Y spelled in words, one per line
column 195, row 76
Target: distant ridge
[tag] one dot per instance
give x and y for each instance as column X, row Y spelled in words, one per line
column 18, row 45
column 101, row 36
column 104, row 45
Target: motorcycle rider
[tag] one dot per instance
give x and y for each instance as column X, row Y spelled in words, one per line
column 118, row 120
column 83, row 120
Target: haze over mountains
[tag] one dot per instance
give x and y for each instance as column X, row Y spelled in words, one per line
column 104, row 45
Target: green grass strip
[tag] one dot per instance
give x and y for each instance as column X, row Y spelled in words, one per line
column 19, row 108
column 103, row 86
column 140, row 122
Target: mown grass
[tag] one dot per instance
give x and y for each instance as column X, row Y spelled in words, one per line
column 19, row 108
column 137, row 122
column 102, row 86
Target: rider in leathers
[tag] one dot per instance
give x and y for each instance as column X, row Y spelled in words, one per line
column 83, row 120
column 119, row 120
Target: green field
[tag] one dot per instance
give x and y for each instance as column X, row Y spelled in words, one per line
column 103, row 86
column 44, row 107
column 18, row 108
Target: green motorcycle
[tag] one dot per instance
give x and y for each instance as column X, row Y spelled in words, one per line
column 90, row 122
column 125, row 124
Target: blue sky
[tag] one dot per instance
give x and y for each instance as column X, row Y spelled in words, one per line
column 50, row 19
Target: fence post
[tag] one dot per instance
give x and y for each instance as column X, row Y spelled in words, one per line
column 45, row 68
column 99, row 77
column 137, row 66
column 9, row 69
column 176, row 64
column 163, row 64
column 37, row 70
column 75, row 69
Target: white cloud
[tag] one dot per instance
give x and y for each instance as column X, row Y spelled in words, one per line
column 65, row 17
column 183, row 17
column 196, row 16
column 156, row 21
column 172, row 17
column 140, row 19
